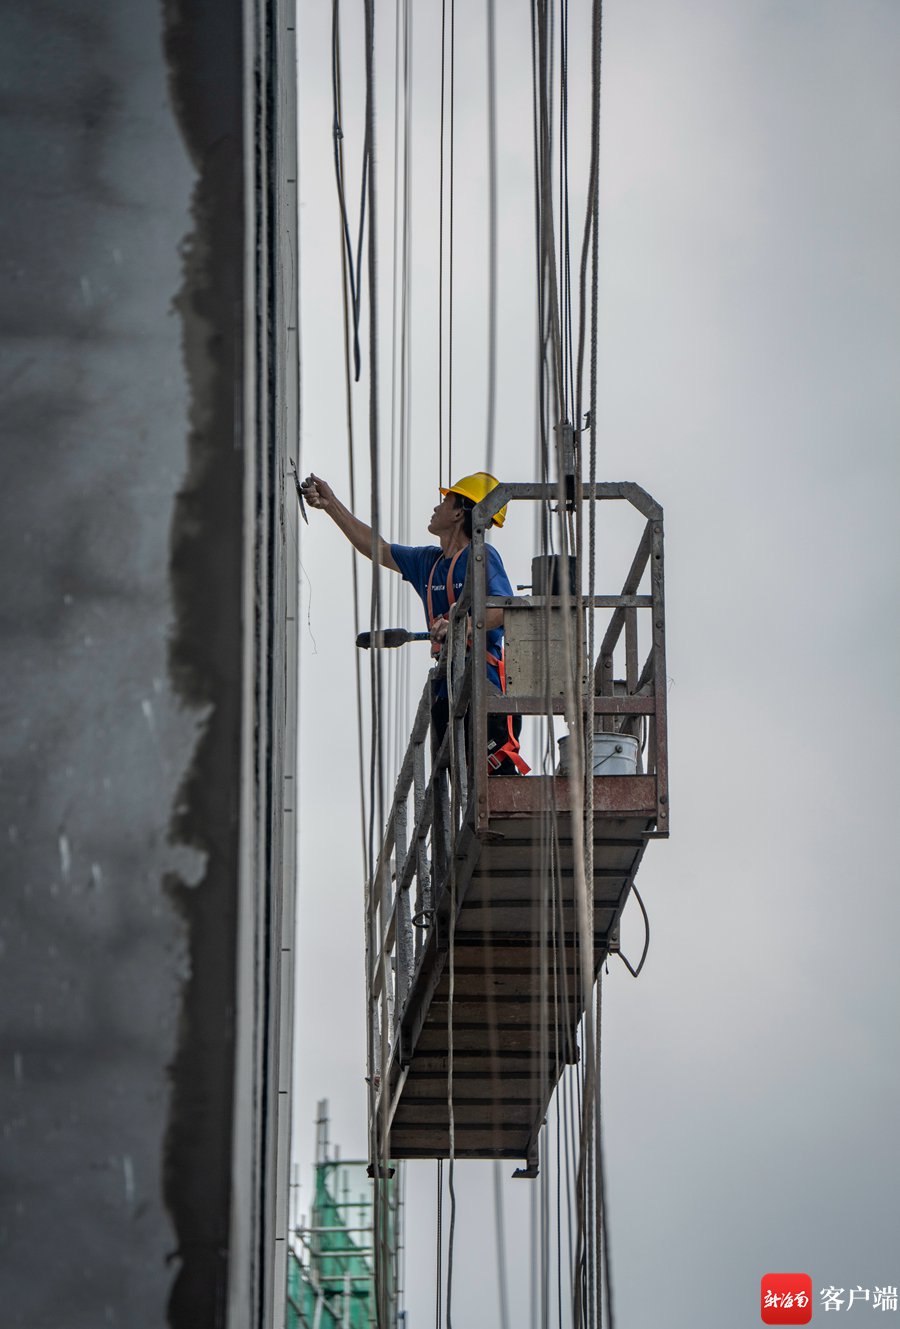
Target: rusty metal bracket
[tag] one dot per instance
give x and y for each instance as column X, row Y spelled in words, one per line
column 531, row 1169
column 530, row 1172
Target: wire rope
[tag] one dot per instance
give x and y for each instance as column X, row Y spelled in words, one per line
column 354, row 270
column 606, row 1284
column 452, row 185
column 397, row 367
column 585, row 1306
column 500, row 1236
column 533, row 1261
column 601, row 1232
column 490, row 14
column 389, row 664
column 398, row 664
column 492, row 233
column 634, row 972
column 346, row 270
column 557, row 336
column 441, row 251
column 559, row 1277
column 545, row 176
column 378, row 1140
column 451, row 992
column 439, row 1254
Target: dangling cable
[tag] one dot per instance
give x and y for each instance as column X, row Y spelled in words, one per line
column 451, row 991
column 606, row 1264
column 634, row 972
column 452, row 184
column 441, row 258
column 439, row 1254
column 565, row 267
column 347, row 279
column 598, row 1254
column 500, row 1237
column 544, row 187
column 395, row 584
column 492, row 235
column 354, row 270
column 398, row 667
column 378, row 1139
column 559, row 1277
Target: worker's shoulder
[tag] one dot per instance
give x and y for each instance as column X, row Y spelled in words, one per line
column 416, row 551
column 498, row 582
column 494, row 557
column 415, row 561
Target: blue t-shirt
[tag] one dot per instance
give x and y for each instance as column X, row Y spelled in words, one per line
column 415, row 564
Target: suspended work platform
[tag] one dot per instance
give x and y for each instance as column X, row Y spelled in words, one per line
column 506, row 892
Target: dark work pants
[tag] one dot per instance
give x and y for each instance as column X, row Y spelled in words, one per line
column 497, row 733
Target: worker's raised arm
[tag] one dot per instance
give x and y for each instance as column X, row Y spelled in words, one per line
column 319, row 494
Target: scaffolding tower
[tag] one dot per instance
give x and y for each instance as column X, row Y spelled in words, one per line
column 331, row 1257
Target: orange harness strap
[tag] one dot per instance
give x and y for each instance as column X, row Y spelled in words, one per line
column 451, row 597
column 511, row 746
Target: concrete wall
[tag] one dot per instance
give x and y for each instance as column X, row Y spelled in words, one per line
column 148, row 384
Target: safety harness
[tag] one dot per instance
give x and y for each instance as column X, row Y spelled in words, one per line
column 511, row 747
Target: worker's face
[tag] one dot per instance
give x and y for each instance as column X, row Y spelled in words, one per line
column 446, row 516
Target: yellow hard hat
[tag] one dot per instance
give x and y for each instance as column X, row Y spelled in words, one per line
column 475, row 488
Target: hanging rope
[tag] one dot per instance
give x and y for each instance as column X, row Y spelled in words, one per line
column 599, row 1261
column 492, row 234
column 440, row 478
column 562, row 373
column 452, row 186
column 547, row 248
column 378, row 1152
column 587, row 1268
column 634, row 972
column 500, row 1238
column 439, row 1255
column 354, row 269
column 398, row 663
column 451, row 959
column 348, row 299
column 606, row 1280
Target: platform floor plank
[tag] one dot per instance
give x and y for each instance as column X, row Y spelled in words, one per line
column 517, row 1001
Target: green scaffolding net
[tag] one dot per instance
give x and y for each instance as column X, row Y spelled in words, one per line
column 331, row 1265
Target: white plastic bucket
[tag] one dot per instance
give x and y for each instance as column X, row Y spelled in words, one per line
column 614, row 754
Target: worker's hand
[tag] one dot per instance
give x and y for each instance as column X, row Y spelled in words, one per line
column 439, row 629
column 317, row 493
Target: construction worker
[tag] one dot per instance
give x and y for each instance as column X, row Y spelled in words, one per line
column 438, row 576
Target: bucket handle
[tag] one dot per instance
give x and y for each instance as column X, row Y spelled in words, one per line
column 615, row 753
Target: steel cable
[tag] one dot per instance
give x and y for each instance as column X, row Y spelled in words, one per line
column 634, row 972
column 379, row 1145
column 355, row 271
column 441, row 254
column 492, row 234
column 346, row 279
column 438, row 1273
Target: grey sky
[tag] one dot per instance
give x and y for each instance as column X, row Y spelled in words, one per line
column 750, row 328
